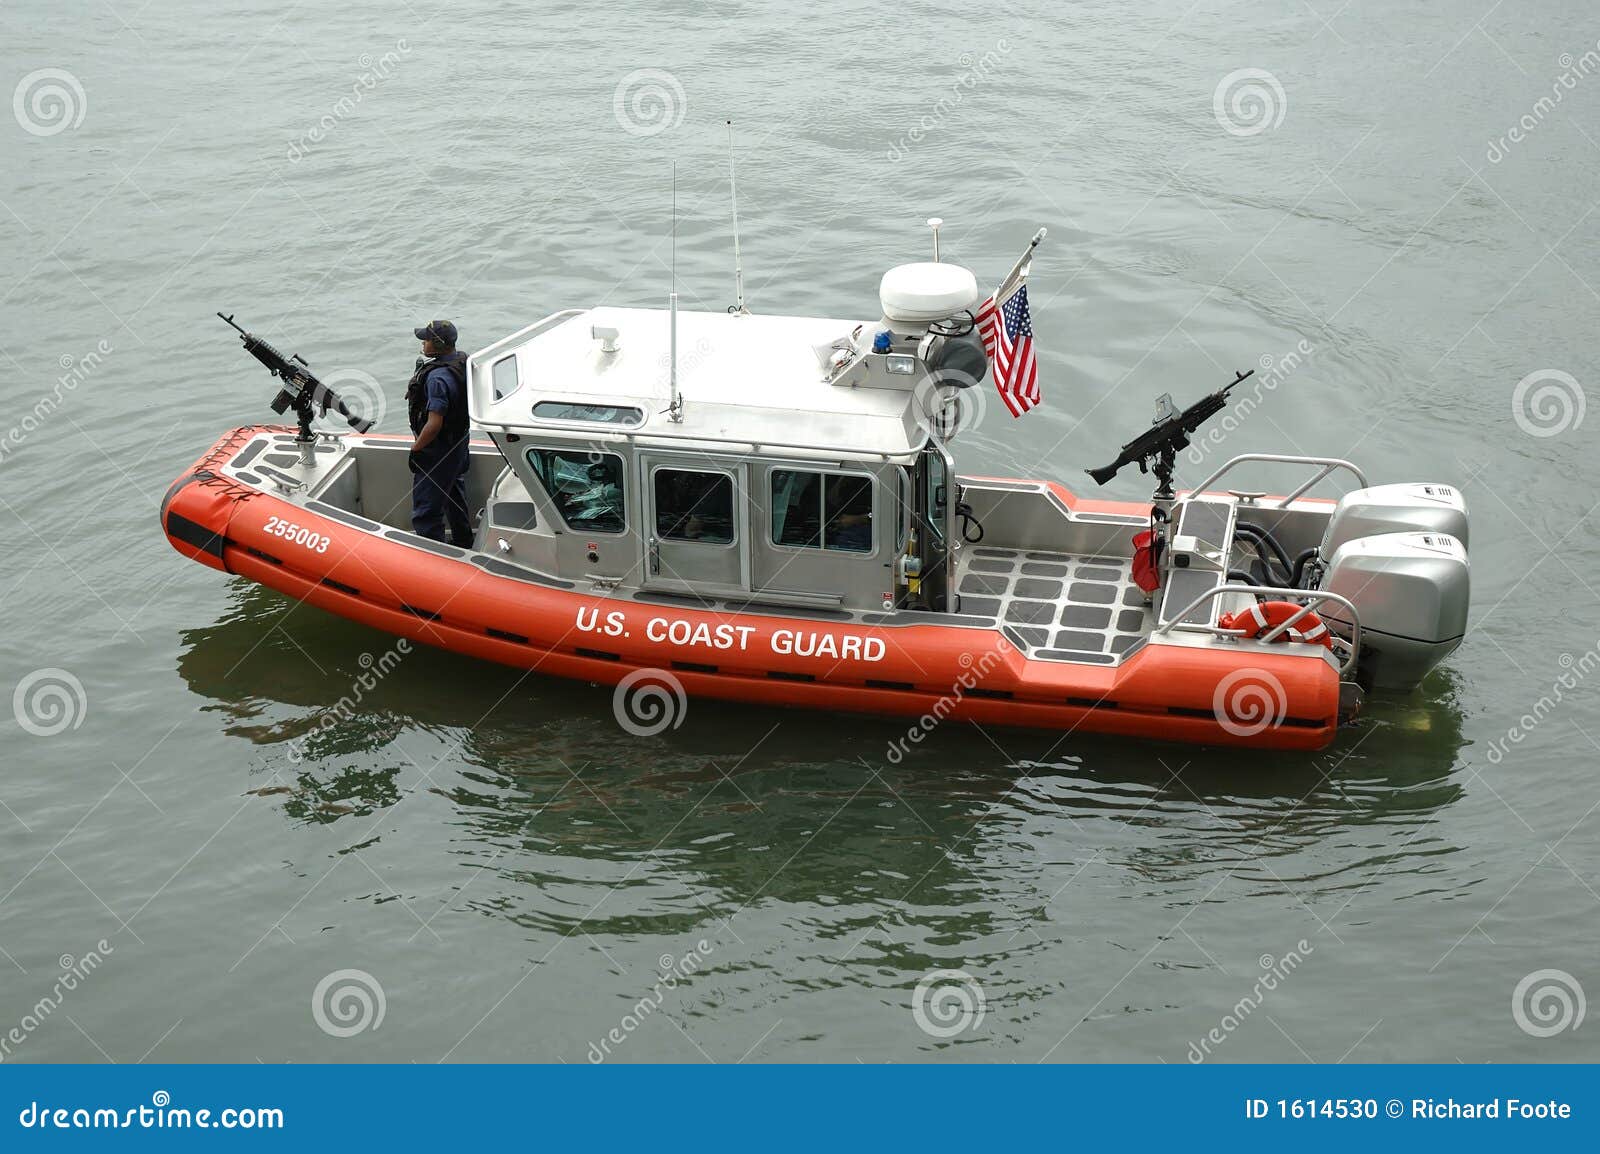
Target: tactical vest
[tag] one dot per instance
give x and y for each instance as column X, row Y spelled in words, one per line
column 455, row 417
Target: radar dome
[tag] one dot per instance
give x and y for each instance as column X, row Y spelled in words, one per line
column 919, row 294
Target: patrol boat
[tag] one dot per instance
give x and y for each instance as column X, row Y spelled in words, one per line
column 767, row 509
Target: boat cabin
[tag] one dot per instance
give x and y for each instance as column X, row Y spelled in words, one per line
column 791, row 461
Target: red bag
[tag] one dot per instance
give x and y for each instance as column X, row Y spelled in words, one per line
column 1145, row 574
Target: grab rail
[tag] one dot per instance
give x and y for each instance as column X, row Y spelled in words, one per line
column 534, row 329
column 1316, row 597
column 1330, row 465
column 476, row 401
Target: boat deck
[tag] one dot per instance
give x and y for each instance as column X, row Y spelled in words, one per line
column 1056, row 606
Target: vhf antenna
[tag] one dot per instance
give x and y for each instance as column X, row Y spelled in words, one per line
column 738, row 260
column 675, row 402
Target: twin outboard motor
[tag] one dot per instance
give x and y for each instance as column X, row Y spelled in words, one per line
column 1399, row 554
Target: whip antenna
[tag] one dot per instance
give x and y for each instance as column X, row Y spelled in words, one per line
column 738, row 260
column 675, row 404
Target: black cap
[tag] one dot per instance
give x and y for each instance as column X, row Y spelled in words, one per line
column 440, row 332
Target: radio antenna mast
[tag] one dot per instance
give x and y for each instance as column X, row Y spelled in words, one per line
column 738, row 260
column 675, row 404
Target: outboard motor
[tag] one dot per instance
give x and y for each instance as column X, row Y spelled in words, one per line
column 1399, row 553
column 1419, row 508
column 1411, row 592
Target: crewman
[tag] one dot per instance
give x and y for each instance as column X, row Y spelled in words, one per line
column 436, row 399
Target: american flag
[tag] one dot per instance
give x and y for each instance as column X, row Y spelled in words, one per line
column 1008, row 340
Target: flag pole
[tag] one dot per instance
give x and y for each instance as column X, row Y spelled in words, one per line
column 1020, row 268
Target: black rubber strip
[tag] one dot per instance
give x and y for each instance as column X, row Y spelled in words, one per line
column 341, row 586
column 194, row 534
column 693, row 667
column 1209, row 715
column 599, row 654
column 505, row 635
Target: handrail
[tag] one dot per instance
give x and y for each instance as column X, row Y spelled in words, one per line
column 1316, row 598
column 1329, row 465
column 532, row 330
column 676, row 442
column 476, row 401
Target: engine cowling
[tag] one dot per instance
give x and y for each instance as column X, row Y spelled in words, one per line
column 1412, row 507
column 1411, row 592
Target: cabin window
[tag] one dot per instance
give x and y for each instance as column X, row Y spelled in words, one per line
column 822, row 510
column 504, row 377
column 691, row 505
column 586, row 487
column 625, row 415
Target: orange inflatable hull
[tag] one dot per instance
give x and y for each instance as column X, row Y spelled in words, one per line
column 1262, row 698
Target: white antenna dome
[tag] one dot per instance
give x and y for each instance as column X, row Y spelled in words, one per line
column 919, row 294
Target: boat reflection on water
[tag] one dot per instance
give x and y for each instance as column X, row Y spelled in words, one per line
column 740, row 805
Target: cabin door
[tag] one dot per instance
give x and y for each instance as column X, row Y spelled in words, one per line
column 696, row 536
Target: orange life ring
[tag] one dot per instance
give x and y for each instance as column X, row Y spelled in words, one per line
column 1263, row 616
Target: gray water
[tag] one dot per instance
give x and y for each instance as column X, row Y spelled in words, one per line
column 505, row 867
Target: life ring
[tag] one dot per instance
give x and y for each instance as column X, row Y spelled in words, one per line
column 1264, row 616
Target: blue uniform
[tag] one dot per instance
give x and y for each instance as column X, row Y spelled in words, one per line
column 439, row 471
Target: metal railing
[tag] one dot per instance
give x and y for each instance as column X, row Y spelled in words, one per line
column 476, row 388
column 1313, row 597
column 532, row 330
column 1330, row 465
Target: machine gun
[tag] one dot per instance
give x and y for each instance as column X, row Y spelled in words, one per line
column 301, row 391
column 1157, row 447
